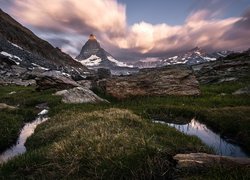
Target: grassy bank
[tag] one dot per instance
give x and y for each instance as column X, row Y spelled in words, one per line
column 118, row 140
column 108, row 144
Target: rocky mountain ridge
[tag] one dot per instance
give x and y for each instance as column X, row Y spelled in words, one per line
column 21, row 47
column 233, row 67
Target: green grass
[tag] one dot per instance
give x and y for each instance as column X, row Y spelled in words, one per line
column 118, row 140
column 108, row 144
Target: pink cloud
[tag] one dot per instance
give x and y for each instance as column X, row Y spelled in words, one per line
column 72, row 15
column 107, row 19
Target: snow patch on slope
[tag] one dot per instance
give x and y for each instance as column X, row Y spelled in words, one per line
column 118, row 63
column 40, row 67
column 93, row 60
column 209, row 58
column 12, row 57
column 16, row 45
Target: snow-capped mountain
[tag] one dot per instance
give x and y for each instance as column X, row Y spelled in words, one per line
column 191, row 57
column 194, row 56
column 94, row 56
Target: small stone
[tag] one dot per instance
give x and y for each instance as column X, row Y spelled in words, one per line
column 5, row 106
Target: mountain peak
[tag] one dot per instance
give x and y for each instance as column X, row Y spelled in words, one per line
column 92, row 37
column 92, row 47
column 94, row 56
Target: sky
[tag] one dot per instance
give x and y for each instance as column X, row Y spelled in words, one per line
column 137, row 29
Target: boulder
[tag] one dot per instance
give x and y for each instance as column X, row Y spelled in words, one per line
column 52, row 80
column 79, row 95
column 203, row 160
column 171, row 80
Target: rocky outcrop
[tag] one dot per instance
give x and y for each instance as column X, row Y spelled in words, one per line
column 54, row 81
column 79, row 95
column 203, row 160
column 172, row 80
column 231, row 68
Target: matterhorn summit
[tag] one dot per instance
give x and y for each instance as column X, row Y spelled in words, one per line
column 94, row 56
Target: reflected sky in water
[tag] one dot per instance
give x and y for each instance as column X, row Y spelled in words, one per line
column 220, row 146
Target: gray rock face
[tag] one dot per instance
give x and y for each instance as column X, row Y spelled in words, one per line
column 203, row 160
column 54, row 81
column 79, row 95
column 231, row 68
column 172, row 80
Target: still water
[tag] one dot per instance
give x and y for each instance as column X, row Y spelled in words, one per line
column 27, row 131
column 220, row 145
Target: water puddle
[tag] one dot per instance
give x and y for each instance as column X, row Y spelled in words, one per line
column 220, row 145
column 26, row 132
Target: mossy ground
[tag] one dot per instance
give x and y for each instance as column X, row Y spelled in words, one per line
column 118, row 140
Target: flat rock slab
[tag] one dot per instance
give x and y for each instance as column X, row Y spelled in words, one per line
column 203, row 160
column 79, row 95
column 5, row 106
column 172, row 80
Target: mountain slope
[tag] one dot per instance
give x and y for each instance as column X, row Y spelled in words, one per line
column 16, row 40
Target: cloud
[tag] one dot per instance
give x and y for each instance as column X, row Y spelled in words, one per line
column 76, row 16
column 238, row 34
column 198, row 30
column 67, row 24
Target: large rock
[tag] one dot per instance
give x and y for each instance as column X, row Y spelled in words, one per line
column 79, row 95
column 172, row 80
column 55, row 81
column 231, row 68
column 203, row 160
